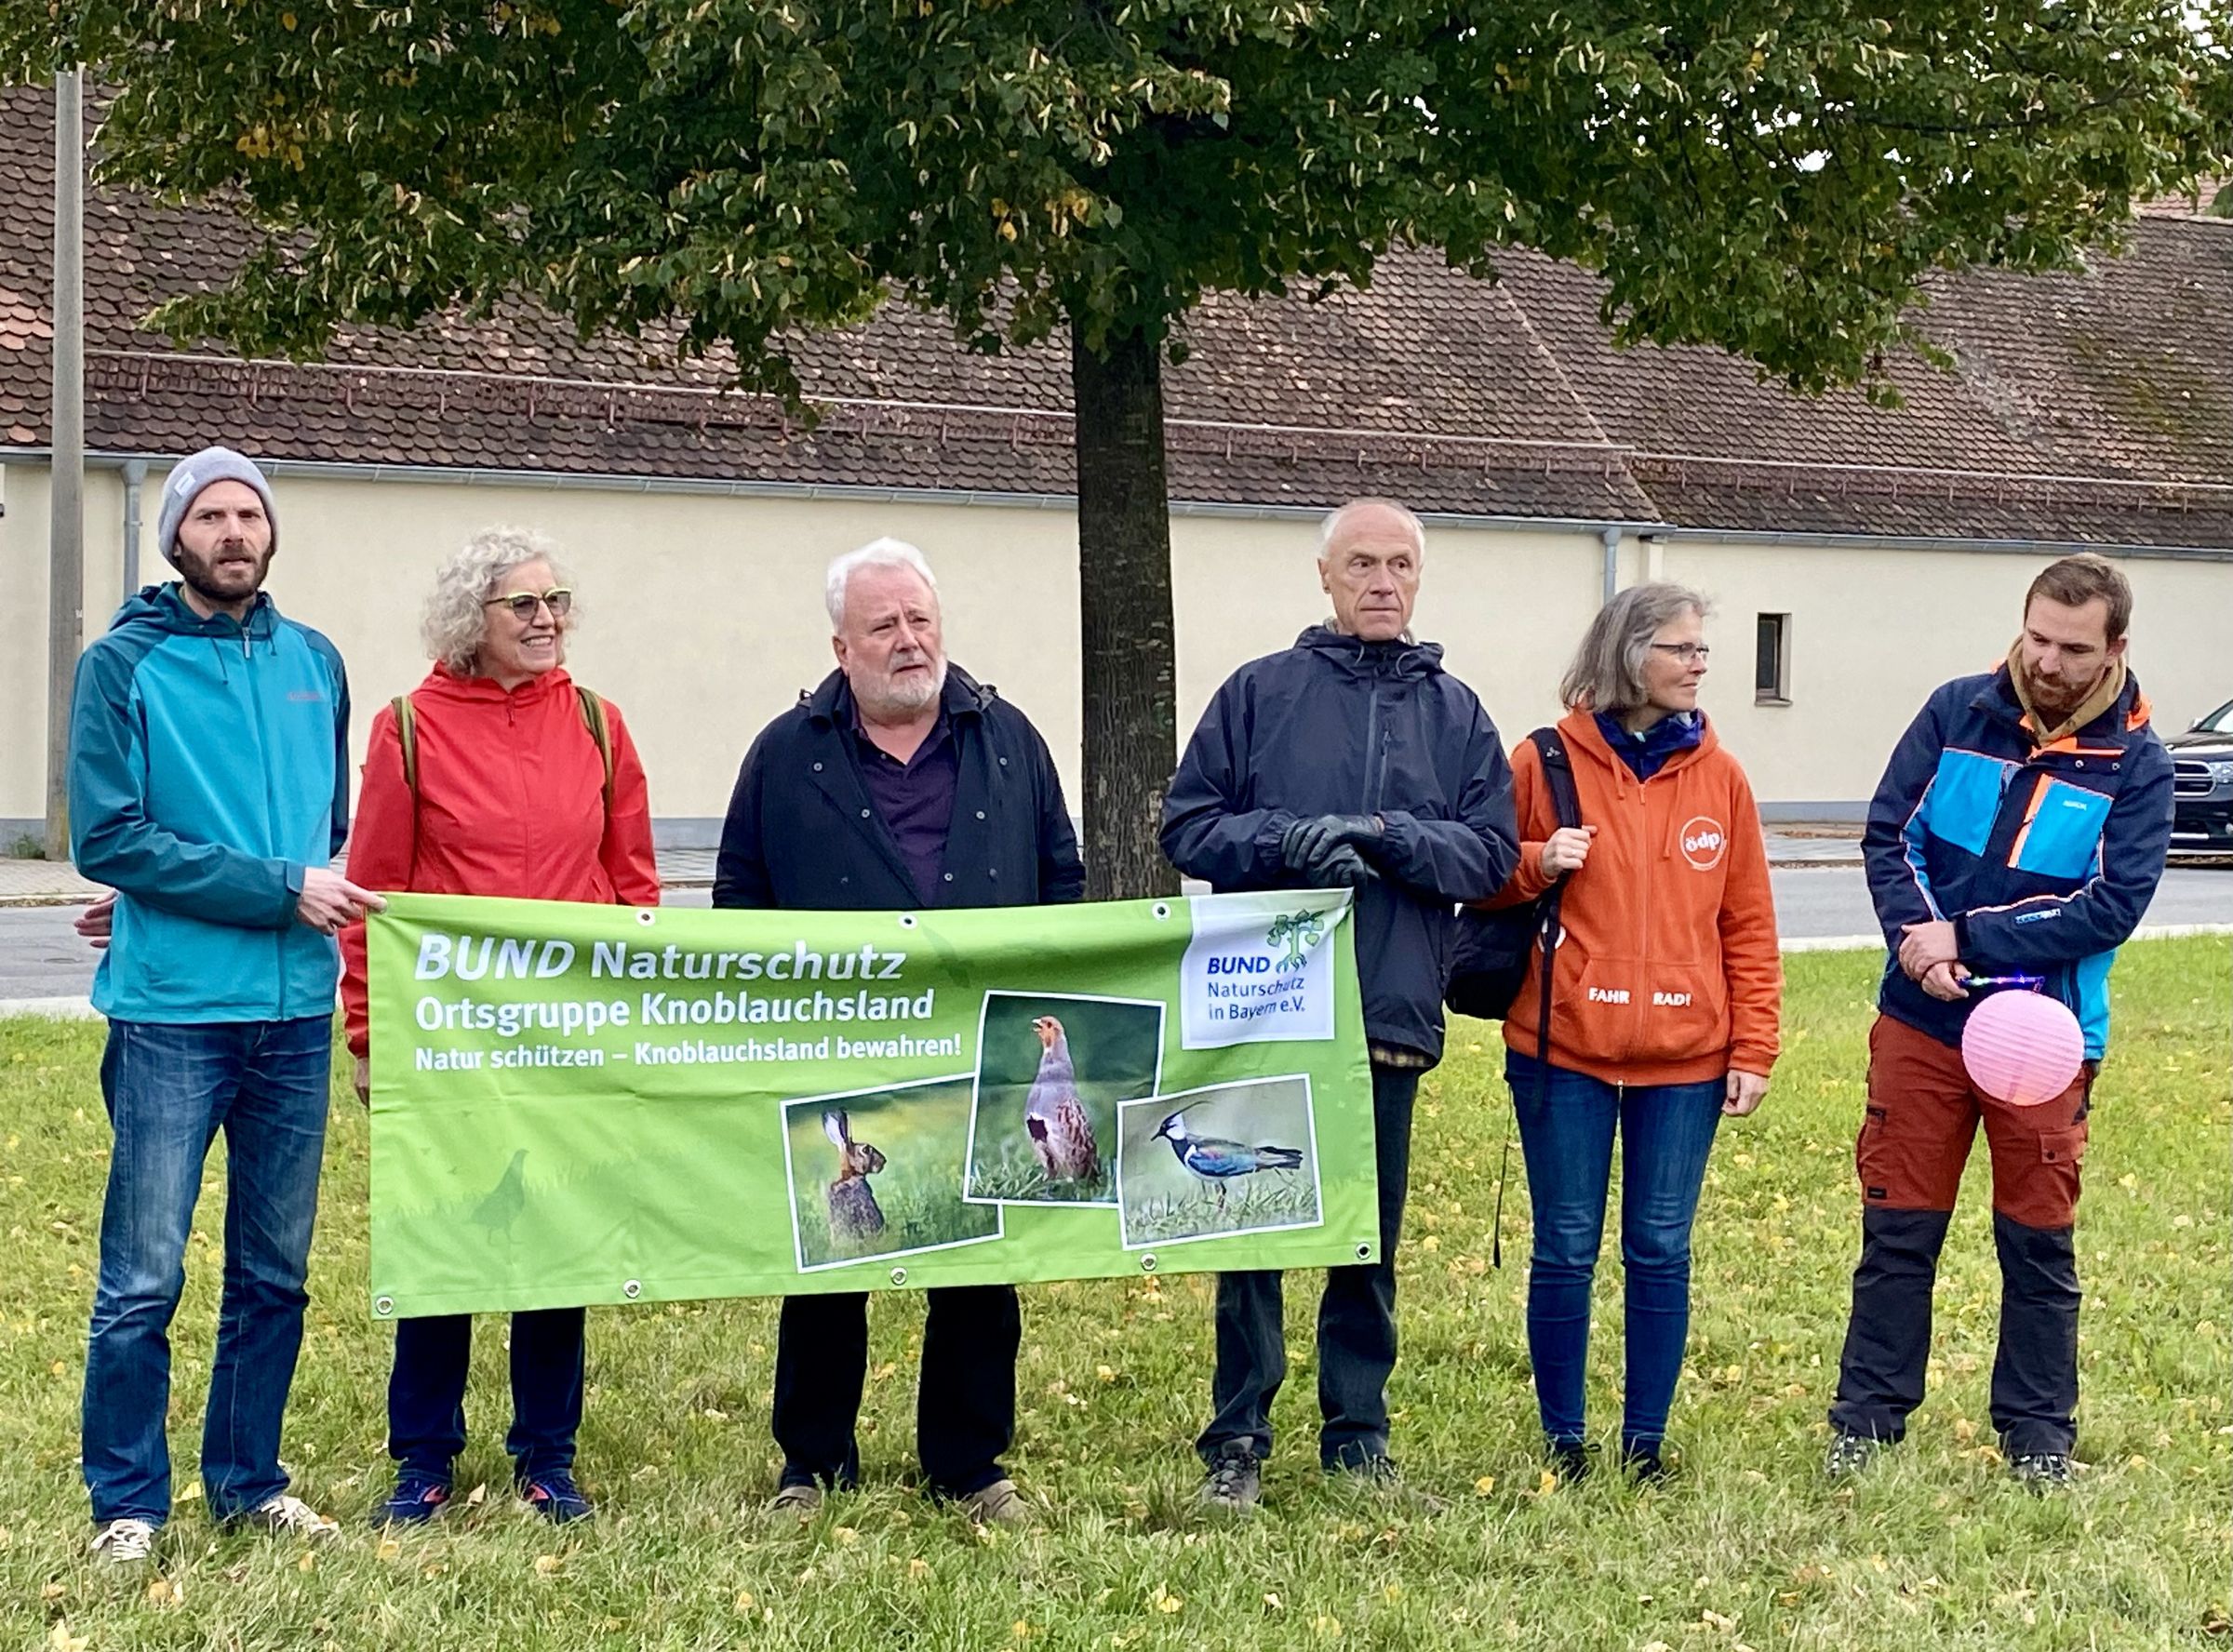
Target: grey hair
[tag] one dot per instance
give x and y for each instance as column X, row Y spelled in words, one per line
column 1331, row 523
column 1607, row 672
column 456, row 621
column 875, row 554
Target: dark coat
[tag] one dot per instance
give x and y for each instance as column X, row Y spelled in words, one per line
column 802, row 834
column 1336, row 725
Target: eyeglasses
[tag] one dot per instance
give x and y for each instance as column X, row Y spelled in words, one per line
column 559, row 599
column 1687, row 653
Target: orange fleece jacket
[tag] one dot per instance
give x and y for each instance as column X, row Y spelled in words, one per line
column 1669, row 971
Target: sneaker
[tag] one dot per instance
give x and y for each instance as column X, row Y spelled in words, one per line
column 124, row 1542
column 1572, row 1461
column 2041, row 1470
column 418, row 1497
column 1849, row 1453
column 1376, row 1472
column 1235, row 1481
column 554, row 1495
column 1645, row 1463
column 284, row 1513
column 800, row 1501
column 1001, row 1503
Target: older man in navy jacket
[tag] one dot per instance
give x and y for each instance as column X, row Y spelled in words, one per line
column 2021, row 827
column 1352, row 758
column 898, row 784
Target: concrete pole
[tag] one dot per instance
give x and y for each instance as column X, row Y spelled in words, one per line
column 66, row 542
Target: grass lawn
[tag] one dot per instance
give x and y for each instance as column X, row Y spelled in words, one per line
column 1934, row 1548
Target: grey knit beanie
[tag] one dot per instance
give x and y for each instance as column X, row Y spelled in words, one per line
column 186, row 481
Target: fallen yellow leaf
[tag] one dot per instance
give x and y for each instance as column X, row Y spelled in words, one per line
column 307, row 1562
column 744, row 1601
column 1484, row 1484
column 62, row 1640
column 477, row 1496
column 389, row 1548
column 547, row 1563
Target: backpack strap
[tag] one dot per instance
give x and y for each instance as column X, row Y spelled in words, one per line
column 407, row 735
column 600, row 730
column 1566, row 803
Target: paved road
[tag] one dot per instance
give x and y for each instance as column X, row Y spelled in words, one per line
column 41, row 958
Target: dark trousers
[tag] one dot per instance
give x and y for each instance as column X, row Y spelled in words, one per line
column 1923, row 1116
column 1356, row 1321
column 426, row 1391
column 965, row 1414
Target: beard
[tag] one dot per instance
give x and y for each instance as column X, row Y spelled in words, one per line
column 222, row 582
column 912, row 693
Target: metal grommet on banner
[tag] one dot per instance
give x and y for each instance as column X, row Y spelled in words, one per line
column 1147, row 1262
column 384, row 1306
column 646, row 916
column 632, row 1289
column 1162, row 908
column 1363, row 1253
column 898, row 1277
column 907, row 920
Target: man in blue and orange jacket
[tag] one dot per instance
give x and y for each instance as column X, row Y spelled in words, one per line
column 2021, row 827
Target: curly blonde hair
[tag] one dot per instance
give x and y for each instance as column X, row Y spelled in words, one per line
column 456, row 619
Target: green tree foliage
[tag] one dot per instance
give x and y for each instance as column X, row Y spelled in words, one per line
column 1776, row 177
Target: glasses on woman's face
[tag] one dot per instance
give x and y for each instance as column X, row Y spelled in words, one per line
column 559, row 599
column 1689, row 653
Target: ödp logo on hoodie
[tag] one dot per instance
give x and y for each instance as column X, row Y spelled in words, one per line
column 1703, row 842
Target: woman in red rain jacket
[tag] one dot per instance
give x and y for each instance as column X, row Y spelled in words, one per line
column 511, row 799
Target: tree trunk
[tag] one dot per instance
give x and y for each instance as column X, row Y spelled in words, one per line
column 1128, row 663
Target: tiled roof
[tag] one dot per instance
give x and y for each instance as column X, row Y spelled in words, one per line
column 2090, row 407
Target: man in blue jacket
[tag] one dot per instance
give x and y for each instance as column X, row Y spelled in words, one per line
column 2021, row 827
column 1352, row 758
column 208, row 787
column 899, row 784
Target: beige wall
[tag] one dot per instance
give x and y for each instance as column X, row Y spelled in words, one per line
column 703, row 615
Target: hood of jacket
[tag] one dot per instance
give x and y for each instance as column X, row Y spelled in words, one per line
column 164, row 609
column 1401, row 657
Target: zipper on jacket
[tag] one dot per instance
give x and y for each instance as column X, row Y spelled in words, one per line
column 270, row 804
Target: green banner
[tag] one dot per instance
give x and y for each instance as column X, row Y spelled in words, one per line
column 576, row 1105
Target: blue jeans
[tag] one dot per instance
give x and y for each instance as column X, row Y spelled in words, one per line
column 170, row 1089
column 1666, row 1132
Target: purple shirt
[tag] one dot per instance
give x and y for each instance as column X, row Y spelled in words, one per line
column 915, row 798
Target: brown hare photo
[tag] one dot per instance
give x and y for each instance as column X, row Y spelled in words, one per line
column 854, row 1214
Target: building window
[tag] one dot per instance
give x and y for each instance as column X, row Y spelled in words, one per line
column 1771, row 661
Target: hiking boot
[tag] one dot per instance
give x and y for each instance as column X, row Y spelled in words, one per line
column 284, row 1513
column 1572, row 1461
column 2041, row 1470
column 799, row 1501
column 1646, row 1463
column 418, row 1497
column 1849, row 1453
column 1235, row 1482
column 125, row 1542
column 998, row 1504
column 554, row 1495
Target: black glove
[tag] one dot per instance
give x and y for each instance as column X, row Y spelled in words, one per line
column 1308, row 843
column 1343, row 869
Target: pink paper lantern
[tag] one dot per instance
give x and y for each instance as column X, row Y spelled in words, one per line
column 2023, row 1047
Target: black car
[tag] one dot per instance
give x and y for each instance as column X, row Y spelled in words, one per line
column 2202, row 784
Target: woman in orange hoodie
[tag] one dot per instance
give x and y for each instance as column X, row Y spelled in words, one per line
column 516, row 783
column 1666, row 988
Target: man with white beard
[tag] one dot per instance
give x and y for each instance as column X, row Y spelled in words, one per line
column 899, row 784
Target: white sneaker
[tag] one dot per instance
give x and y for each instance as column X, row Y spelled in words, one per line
column 284, row 1513
column 124, row 1542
